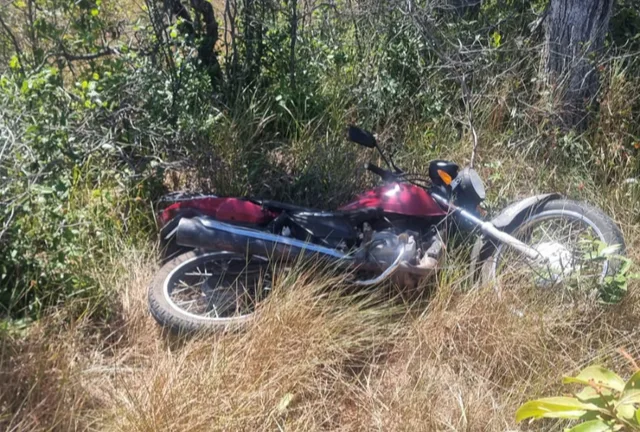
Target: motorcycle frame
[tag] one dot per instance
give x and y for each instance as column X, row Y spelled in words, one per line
column 198, row 232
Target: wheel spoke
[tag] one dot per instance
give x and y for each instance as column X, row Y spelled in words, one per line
column 220, row 286
column 563, row 241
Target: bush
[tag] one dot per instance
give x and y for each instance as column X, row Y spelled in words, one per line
column 105, row 106
column 605, row 403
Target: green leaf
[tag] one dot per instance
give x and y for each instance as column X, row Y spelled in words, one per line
column 13, row 62
column 94, row 12
column 625, row 266
column 592, row 426
column 629, row 397
column 638, row 416
column 610, row 250
column 633, row 383
column 174, row 33
column 626, row 412
column 95, row 76
column 600, row 398
column 554, row 407
column 496, row 39
column 598, row 375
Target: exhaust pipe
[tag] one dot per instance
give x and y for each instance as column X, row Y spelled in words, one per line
column 207, row 233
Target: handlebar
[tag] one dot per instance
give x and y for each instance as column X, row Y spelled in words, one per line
column 385, row 174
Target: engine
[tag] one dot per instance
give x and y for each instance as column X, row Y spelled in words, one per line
column 383, row 248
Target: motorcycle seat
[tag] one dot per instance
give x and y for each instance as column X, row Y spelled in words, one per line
column 357, row 216
column 279, row 206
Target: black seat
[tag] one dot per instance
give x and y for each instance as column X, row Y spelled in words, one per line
column 277, row 205
column 355, row 216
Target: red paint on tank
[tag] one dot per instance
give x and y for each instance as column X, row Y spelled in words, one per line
column 401, row 198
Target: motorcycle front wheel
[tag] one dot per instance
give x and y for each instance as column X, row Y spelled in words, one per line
column 204, row 290
column 580, row 248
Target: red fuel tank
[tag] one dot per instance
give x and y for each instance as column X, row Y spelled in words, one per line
column 401, row 198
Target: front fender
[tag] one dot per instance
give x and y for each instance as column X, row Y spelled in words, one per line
column 508, row 220
column 512, row 216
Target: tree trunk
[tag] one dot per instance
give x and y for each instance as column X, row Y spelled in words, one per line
column 206, row 50
column 575, row 32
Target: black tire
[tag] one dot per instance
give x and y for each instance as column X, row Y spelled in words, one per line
column 606, row 228
column 168, row 315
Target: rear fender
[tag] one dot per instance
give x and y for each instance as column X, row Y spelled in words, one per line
column 232, row 210
column 507, row 220
column 235, row 210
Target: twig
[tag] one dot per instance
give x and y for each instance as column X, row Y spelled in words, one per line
column 16, row 45
column 630, row 359
column 85, row 57
column 293, row 28
column 466, row 97
column 7, row 222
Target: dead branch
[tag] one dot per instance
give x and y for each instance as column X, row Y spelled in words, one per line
column 468, row 105
column 85, row 57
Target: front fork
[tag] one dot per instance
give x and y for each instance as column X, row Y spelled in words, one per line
column 407, row 250
column 489, row 229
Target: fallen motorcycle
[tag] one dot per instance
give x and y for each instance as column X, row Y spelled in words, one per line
column 225, row 246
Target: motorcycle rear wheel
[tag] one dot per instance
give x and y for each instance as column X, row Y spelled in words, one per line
column 204, row 290
column 581, row 244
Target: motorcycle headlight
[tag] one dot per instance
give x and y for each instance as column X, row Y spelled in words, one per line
column 468, row 189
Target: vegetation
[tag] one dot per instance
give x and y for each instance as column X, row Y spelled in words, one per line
column 605, row 403
column 104, row 106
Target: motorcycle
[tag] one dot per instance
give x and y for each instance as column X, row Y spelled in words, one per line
column 226, row 246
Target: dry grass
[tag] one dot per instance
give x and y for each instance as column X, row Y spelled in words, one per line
column 316, row 359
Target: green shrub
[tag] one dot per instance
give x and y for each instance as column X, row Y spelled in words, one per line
column 605, row 403
column 103, row 106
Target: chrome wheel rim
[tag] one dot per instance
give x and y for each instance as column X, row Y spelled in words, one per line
column 218, row 285
column 570, row 244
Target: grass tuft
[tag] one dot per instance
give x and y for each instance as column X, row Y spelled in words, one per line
column 318, row 357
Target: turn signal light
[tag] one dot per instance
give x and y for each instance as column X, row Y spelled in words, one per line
column 446, row 178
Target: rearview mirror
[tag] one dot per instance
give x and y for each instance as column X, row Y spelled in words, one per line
column 361, row 136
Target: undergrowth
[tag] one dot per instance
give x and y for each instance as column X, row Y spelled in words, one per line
column 318, row 357
column 105, row 106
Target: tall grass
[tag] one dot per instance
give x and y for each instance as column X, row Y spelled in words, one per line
column 318, row 357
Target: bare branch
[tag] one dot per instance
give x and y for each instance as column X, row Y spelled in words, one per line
column 16, row 45
column 466, row 97
column 85, row 57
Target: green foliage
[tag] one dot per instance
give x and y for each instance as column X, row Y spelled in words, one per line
column 67, row 194
column 625, row 24
column 76, row 178
column 104, row 105
column 615, row 286
column 605, row 403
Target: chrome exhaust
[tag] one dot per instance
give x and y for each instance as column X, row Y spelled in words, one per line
column 207, row 233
